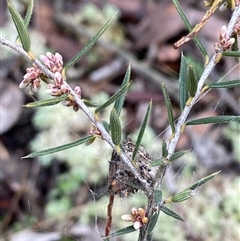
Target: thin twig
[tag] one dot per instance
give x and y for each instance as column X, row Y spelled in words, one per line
column 109, row 215
column 139, row 67
column 172, row 144
column 85, row 109
column 199, row 26
column 181, row 120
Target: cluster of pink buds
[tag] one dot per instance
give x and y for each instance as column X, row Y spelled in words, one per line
column 58, row 88
column 55, row 64
column 225, row 42
column 137, row 216
column 32, row 79
column 33, row 76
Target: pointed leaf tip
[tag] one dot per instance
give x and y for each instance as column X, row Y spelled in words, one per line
column 122, row 231
column 169, row 107
column 21, row 28
column 59, row 148
column 120, row 101
column 171, row 213
column 47, row 102
column 90, row 44
column 142, row 130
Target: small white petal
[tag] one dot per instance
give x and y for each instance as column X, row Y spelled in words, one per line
column 127, row 217
column 137, row 225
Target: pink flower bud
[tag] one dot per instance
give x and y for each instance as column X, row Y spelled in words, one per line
column 47, row 62
column 50, row 56
column 32, row 75
column 43, row 58
column 64, row 89
column 37, row 83
column 78, row 91
column 58, row 60
column 54, row 92
column 59, row 70
column 58, row 79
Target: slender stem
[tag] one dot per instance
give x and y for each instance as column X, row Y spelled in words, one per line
column 172, row 144
column 182, row 119
column 85, row 109
column 109, row 215
column 108, row 139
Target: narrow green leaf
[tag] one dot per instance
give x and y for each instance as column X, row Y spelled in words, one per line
column 169, row 107
column 88, row 103
column 29, row 13
column 59, row 148
column 171, row 213
column 202, row 181
column 152, row 222
column 234, row 54
column 214, row 120
column 89, row 45
column 164, row 149
column 120, row 101
column 114, row 97
column 224, row 84
column 182, row 196
column 142, row 130
column 183, row 93
column 21, row 28
column 48, row 102
column 189, row 27
column 157, row 162
column 192, row 80
column 115, row 126
column 178, row 155
column 122, row 231
column 157, row 194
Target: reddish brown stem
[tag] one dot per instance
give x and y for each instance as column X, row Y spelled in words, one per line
column 109, row 215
